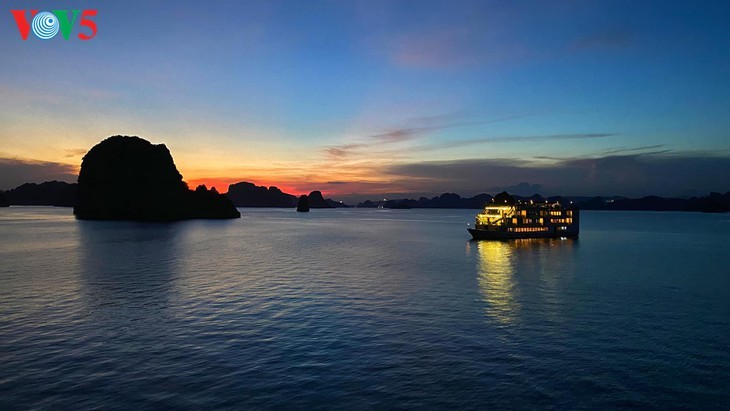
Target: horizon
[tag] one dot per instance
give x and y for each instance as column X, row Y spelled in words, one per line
column 384, row 99
column 354, row 200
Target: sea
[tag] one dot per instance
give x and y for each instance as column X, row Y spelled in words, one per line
column 362, row 309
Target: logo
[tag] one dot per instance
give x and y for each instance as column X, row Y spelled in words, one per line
column 46, row 25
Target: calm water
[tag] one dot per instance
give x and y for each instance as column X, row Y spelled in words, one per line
column 362, row 309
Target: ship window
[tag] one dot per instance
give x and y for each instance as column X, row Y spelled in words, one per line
column 514, row 221
column 529, row 229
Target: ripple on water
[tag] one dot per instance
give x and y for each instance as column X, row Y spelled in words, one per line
column 361, row 309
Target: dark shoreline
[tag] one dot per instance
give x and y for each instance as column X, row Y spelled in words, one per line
column 62, row 194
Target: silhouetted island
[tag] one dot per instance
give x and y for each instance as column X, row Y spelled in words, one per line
column 317, row 201
column 446, row 200
column 303, row 204
column 50, row 193
column 129, row 178
column 245, row 194
column 711, row 203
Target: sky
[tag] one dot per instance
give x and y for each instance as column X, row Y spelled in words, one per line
column 369, row 99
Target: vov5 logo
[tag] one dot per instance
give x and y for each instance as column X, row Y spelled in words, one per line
column 45, row 25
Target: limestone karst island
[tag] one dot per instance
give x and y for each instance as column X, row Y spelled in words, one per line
column 129, row 178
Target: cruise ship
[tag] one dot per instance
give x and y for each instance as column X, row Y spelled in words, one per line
column 506, row 218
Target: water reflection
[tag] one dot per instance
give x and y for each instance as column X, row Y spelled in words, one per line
column 495, row 273
column 39, row 261
column 127, row 272
column 513, row 272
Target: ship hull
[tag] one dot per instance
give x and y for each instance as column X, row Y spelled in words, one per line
column 505, row 235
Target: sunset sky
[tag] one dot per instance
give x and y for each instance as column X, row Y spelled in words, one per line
column 366, row 99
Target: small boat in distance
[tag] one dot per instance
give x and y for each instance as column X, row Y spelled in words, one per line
column 506, row 218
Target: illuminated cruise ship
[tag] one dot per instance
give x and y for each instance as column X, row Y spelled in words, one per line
column 505, row 218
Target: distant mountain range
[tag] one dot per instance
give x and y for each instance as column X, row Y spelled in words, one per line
column 245, row 194
column 711, row 203
column 446, row 200
column 53, row 193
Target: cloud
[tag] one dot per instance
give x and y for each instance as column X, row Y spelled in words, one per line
column 624, row 150
column 402, row 134
column 419, row 126
column 513, row 139
column 75, row 152
column 14, row 172
column 392, row 136
column 340, row 151
column 416, row 128
column 667, row 174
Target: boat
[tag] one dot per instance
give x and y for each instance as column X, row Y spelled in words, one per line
column 505, row 218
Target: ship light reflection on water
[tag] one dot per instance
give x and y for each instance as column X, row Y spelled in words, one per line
column 496, row 280
column 501, row 268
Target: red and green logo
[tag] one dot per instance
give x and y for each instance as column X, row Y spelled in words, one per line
column 46, row 25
